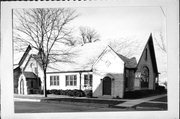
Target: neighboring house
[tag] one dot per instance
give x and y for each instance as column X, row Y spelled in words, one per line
column 17, row 73
column 100, row 69
column 28, row 75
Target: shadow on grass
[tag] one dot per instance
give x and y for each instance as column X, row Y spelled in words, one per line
column 163, row 99
column 151, row 106
column 143, row 93
column 90, row 101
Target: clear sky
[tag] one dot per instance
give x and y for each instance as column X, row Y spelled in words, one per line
column 117, row 22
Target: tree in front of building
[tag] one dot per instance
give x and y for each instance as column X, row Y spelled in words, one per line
column 47, row 31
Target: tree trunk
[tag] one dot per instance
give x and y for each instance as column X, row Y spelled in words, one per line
column 45, row 92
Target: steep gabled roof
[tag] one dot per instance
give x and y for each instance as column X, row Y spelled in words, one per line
column 152, row 53
column 24, row 55
column 36, row 58
column 129, row 63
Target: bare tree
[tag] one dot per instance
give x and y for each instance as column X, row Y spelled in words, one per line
column 71, row 42
column 88, row 35
column 46, row 30
column 161, row 43
column 124, row 46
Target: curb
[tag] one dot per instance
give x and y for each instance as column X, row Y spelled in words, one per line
column 148, row 108
column 27, row 100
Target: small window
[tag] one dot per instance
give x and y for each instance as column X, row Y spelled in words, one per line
column 71, row 80
column 146, row 54
column 54, row 80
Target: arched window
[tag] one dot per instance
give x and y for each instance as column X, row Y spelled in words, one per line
column 144, row 77
column 22, row 86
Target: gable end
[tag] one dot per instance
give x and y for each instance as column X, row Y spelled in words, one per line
column 151, row 52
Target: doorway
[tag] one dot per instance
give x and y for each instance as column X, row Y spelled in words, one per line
column 106, row 86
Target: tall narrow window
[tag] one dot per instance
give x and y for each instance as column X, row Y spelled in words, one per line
column 146, row 54
column 126, row 78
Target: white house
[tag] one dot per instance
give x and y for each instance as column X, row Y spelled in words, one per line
column 97, row 67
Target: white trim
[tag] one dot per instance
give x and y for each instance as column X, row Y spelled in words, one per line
column 22, row 77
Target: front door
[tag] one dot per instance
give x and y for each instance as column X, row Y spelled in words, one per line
column 107, row 86
column 22, row 87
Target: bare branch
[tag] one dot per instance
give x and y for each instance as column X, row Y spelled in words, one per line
column 124, row 46
column 161, row 43
column 45, row 30
column 88, row 35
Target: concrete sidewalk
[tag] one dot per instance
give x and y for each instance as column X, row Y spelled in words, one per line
column 36, row 97
column 131, row 103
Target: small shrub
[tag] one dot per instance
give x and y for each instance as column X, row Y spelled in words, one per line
column 75, row 93
column 160, row 89
column 42, row 92
column 138, row 94
column 80, row 93
column 54, row 91
column 88, row 93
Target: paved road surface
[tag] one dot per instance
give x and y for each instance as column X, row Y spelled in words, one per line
column 22, row 106
column 39, row 107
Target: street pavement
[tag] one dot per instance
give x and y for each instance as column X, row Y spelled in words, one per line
column 41, row 107
column 33, row 104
